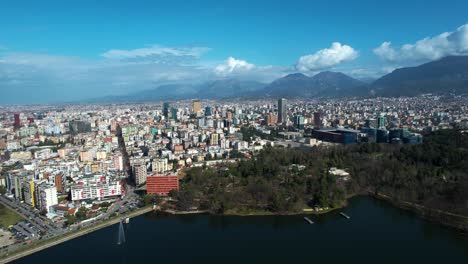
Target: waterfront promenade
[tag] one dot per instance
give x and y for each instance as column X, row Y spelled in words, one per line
column 41, row 245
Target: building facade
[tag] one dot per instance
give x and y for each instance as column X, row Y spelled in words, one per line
column 140, row 173
column 196, row 106
column 282, row 113
column 160, row 166
column 46, row 197
column 95, row 187
column 162, row 184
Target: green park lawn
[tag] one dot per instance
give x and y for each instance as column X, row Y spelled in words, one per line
column 8, row 217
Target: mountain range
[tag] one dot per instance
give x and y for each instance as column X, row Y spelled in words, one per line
column 446, row 75
column 323, row 84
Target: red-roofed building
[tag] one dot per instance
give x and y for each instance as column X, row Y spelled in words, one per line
column 161, row 184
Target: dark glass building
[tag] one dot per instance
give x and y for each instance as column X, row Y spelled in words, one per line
column 208, row 111
column 282, row 105
column 166, row 107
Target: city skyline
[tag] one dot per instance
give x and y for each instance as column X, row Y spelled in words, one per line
column 53, row 53
column 132, row 130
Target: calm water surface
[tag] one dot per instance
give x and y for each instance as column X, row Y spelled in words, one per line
column 376, row 233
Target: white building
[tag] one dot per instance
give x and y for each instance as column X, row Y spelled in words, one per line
column 47, row 197
column 118, row 162
column 160, row 166
column 241, row 145
column 13, row 145
column 43, row 154
column 140, row 173
column 344, row 175
column 95, row 187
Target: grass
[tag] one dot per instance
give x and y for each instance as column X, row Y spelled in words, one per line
column 246, row 211
column 297, row 209
column 8, row 217
column 326, row 211
column 62, row 198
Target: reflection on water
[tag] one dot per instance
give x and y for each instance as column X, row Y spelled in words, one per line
column 376, row 232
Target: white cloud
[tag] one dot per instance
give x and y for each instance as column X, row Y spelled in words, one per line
column 385, row 51
column 232, row 65
column 241, row 69
column 40, row 60
column 157, row 54
column 427, row 49
column 326, row 58
column 61, row 78
column 366, row 72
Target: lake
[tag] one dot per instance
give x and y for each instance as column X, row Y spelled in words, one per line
column 376, row 233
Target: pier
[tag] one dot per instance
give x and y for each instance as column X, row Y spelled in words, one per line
column 308, row 220
column 345, row 215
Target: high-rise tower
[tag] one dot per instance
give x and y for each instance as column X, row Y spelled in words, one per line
column 196, row 106
column 282, row 105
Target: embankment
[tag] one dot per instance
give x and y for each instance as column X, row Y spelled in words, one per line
column 44, row 244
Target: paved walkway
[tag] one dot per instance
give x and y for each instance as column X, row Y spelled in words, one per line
column 5, row 238
column 73, row 235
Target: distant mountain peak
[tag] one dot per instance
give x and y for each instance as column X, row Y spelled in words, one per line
column 296, row 75
column 329, row 73
column 326, row 84
column 448, row 74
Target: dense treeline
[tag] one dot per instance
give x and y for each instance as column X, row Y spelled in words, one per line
column 282, row 180
column 248, row 133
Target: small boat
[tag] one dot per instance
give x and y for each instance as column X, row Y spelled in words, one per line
column 345, row 215
column 127, row 220
column 308, row 220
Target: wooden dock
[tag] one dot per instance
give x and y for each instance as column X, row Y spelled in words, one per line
column 345, row 215
column 308, row 220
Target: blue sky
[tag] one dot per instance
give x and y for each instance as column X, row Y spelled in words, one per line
column 94, row 48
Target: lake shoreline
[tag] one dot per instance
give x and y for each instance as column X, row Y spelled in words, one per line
column 257, row 212
column 448, row 219
column 44, row 244
column 442, row 218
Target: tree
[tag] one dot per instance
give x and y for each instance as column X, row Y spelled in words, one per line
column 432, row 173
column 2, row 190
column 185, row 199
column 82, row 212
column 104, row 204
column 236, row 154
column 70, row 219
column 173, row 193
column 277, row 202
column 148, row 199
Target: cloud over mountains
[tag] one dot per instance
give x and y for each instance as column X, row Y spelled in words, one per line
column 120, row 71
column 158, row 54
column 326, row 58
column 427, row 49
column 232, row 65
